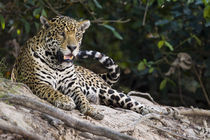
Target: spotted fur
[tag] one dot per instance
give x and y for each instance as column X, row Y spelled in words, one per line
column 46, row 65
column 113, row 74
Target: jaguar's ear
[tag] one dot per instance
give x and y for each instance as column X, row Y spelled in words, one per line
column 44, row 22
column 84, row 25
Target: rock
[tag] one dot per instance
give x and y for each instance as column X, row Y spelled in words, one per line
column 152, row 126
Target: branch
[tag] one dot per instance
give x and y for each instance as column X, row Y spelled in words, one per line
column 15, row 129
column 145, row 14
column 194, row 111
column 51, row 7
column 68, row 120
column 113, row 21
column 202, row 85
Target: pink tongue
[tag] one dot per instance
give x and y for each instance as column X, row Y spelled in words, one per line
column 66, row 57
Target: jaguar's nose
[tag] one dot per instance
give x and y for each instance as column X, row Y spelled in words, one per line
column 72, row 48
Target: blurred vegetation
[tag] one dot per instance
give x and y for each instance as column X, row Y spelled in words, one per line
column 142, row 36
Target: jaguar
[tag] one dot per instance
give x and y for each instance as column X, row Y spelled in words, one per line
column 46, row 64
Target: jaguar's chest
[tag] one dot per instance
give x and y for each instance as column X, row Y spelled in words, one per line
column 55, row 75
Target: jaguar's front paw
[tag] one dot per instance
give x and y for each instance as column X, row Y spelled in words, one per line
column 92, row 112
column 65, row 102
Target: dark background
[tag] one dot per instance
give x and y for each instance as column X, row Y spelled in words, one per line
column 142, row 36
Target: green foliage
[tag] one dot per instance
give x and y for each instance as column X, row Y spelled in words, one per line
column 116, row 34
column 143, row 37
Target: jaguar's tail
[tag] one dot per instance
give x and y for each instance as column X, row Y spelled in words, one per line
column 113, row 74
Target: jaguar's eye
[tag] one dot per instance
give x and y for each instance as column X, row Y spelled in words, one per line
column 62, row 34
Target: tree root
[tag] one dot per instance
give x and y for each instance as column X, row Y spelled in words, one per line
column 15, row 129
column 194, row 111
column 68, row 120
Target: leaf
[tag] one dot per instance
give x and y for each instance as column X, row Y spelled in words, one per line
column 98, row 5
column 2, row 22
column 197, row 40
column 116, row 34
column 171, row 82
column 160, row 2
column 206, row 2
column 18, row 31
column 163, row 84
column 145, row 61
column 206, row 12
column 108, row 27
column 36, row 12
column 37, row 26
column 169, row 46
column 160, row 44
column 26, row 25
column 207, row 24
column 151, row 70
column 44, row 13
column 141, row 66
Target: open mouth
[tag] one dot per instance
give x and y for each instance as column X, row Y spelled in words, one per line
column 68, row 57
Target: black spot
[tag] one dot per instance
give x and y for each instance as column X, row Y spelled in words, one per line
column 36, row 55
column 102, row 91
column 59, row 56
column 129, row 105
column 114, row 75
column 107, row 62
column 110, row 91
column 128, row 99
column 93, row 89
column 59, row 88
column 49, row 77
column 102, row 97
column 93, row 53
column 48, row 53
column 140, row 108
column 70, row 84
column 86, row 86
column 83, row 84
column 118, row 69
column 136, row 103
column 104, row 77
column 122, row 103
column 109, row 76
column 112, row 97
column 110, row 102
column 88, row 92
column 75, row 97
column 84, row 92
column 117, row 98
column 43, row 72
column 122, row 95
